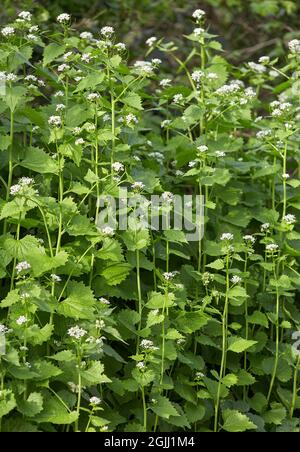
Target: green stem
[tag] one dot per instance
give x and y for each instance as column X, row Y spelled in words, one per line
column 295, row 387
column 10, row 165
column 277, row 339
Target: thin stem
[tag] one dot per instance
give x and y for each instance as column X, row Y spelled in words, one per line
column 277, row 339
column 295, row 387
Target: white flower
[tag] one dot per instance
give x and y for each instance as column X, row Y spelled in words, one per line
column 95, row 401
column 165, row 123
column 138, row 185
column 272, row 247
column 90, row 127
column 3, row 329
column 178, row 98
column 156, row 61
column 86, row 35
column 286, row 176
column 30, row 78
column 76, row 332
column 146, row 344
column 15, row 189
column 60, row 107
column 118, row 167
column 198, row 14
column 79, row 142
column 289, row 219
column 168, row 197
column 259, row 68
column 192, row 164
column 11, row 77
column 294, row 46
column 7, row 31
column 249, row 238
column 264, row 60
column 34, row 29
column 212, row 76
column 59, row 94
column 236, row 279
column 23, row 266
column 265, row 227
column 197, row 76
column 131, row 119
column 107, row 32
column 262, row 134
column 104, row 301
column 202, row 148
column 63, row 18
column 86, row 57
column 25, row 15
column 144, row 67
column 164, row 83
column 168, row 276
column 220, row 154
column 141, row 365
column 55, row 121
column 227, row 236
column 120, row 46
column 21, row 320
column 93, row 97
column 63, row 67
column 100, row 324
column 55, row 278
column 108, row 231
column 198, row 31
column 151, row 41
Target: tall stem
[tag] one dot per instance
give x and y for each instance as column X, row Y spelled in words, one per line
column 10, row 165
column 277, row 333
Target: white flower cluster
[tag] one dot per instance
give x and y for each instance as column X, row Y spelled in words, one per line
column 199, row 14
column 294, row 46
column 55, row 278
column 227, row 236
column 108, row 231
column 104, row 301
column 3, row 329
column 280, row 108
column 165, row 82
column 21, row 320
column 289, row 219
column 138, row 186
column 86, row 35
column 265, row 227
column 22, row 266
column 118, row 167
column 167, row 197
column 63, row 18
column 18, row 188
column 151, row 41
column 263, row 134
column 250, row 239
column 236, row 279
column 144, row 68
column 272, row 247
column 178, row 99
column 76, row 332
column 234, row 87
column 168, row 276
column 146, row 344
column 258, row 68
column 7, row 31
column 197, row 76
column 93, row 97
column 95, row 401
column 25, row 15
column 107, row 32
column 55, row 121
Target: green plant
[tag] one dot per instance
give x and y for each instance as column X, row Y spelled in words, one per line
column 139, row 329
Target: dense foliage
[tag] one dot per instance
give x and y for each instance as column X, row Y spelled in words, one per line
column 142, row 330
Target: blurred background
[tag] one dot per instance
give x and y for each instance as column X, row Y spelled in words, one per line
column 247, row 28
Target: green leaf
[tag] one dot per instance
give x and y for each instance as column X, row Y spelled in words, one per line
column 51, row 52
column 38, row 161
column 80, row 302
column 258, row 318
column 163, row 407
column 91, row 81
column 94, row 375
column 55, row 412
column 239, row 345
column 133, row 100
column 234, row 422
column 216, row 265
column 32, row 406
column 7, row 402
column 114, row 274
